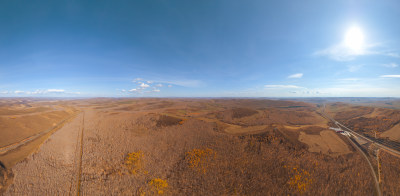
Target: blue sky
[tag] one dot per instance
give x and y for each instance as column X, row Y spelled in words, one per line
column 207, row 48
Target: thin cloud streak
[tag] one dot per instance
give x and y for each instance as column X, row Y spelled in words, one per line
column 340, row 52
column 354, row 68
column 349, row 79
column 297, row 75
column 281, row 86
column 182, row 82
column 390, row 76
column 55, row 90
column 390, row 65
column 38, row 92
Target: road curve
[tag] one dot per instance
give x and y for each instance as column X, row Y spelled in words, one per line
column 377, row 185
column 376, row 142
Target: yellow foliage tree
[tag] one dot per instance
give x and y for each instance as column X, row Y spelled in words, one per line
column 301, row 180
column 200, row 159
column 158, row 185
column 134, row 161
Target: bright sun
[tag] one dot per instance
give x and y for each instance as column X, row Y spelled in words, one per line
column 354, row 39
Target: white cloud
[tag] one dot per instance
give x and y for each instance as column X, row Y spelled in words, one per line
column 352, row 45
column 38, row 92
column 188, row 83
column 392, row 54
column 123, row 90
column 347, row 90
column 281, row 86
column 133, row 90
column 354, row 68
column 159, row 85
column 182, row 82
column 41, row 92
column 359, row 90
column 390, row 76
column 349, row 79
column 143, row 85
column 56, row 90
column 340, row 52
column 391, row 65
column 297, row 75
column 156, row 90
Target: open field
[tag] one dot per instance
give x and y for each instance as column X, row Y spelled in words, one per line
column 193, row 146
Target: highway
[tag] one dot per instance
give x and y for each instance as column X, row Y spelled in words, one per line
column 356, row 146
column 390, row 146
column 377, row 187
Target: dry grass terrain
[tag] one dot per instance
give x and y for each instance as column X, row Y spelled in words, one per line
column 367, row 119
column 390, row 174
column 24, row 125
column 194, row 147
column 20, row 119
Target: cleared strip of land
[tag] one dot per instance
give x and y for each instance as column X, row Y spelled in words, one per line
column 13, row 146
column 53, row 168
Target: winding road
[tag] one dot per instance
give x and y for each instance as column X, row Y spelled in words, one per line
column 377, row 142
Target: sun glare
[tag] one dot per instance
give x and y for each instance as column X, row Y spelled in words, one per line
column 354, row 39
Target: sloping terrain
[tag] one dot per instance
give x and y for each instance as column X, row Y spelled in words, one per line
column 393, row 133
column 24, row 125
column 53, row 170
column 326, row 142
column 18, row 128
column 194, row 147
column 21, row 119
column 366, row 120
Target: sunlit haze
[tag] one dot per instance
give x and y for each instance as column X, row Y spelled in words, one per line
column 355, row 39
column 199, row 97
column 211, row 48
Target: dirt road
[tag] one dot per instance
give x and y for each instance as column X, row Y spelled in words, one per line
column 53, row 169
